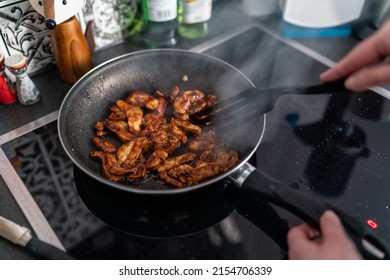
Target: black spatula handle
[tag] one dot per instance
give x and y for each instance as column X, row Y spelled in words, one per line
column 310, row 209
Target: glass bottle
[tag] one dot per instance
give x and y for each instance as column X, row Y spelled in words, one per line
column 26, row 90
column 135, row 19
column 193, row 18
column 162, row 22
column 115, row 20
column 7, row 91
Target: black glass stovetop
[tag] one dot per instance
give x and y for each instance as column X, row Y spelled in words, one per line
column 331, row 146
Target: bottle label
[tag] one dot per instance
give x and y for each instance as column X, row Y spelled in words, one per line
column 162, row 10
column 195, row 11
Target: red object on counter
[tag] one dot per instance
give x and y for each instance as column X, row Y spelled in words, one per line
column 6, row 94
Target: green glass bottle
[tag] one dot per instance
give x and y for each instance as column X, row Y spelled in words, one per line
column 135, row 19
column 193, row 18
column 162, row 22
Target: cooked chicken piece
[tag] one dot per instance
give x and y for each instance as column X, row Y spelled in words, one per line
column 156, row 159
column 99, row 126
column 134, row 111
column 162, row 94
column 123, row 105
column 152, row 118
column 147, row 146
column 158, row 105
column 233, row 158
column 176, row 161
column 115, row 171
column 97, row 154
column 107, row 165
column 138, row 98
column 137, row 172
column 181, row 105
column 115, row 108
column 150, row 128
column 174, row 93
column 100, row 133
column 135, row 124
column 211, row 100
column 135, row 119
column 188, row 127
column 181, row 172
column 193, row 95
column 120, row 129
column 221, row 157
column 117, row 116
column 178, row 132
column 205, row 141
column 183, row 117
column 202, row 171
column 169, row 180
column 129, row 153
column 197, row 106
column 152, row 122
column 164, row 139
column 104, row 145
column 130, row 172
column 107, row 161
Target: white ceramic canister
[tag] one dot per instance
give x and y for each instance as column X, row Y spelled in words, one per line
column 321, row 13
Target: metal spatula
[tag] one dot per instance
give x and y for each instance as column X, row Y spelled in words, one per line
column 257, row 101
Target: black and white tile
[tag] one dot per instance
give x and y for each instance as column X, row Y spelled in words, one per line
column 48, row 174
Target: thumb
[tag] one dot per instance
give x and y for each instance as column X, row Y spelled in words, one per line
column 331, row 225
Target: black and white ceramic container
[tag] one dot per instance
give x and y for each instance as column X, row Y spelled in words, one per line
column 23, row 29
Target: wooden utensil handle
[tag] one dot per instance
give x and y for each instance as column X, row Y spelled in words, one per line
column 49, row 11
column 48, row 8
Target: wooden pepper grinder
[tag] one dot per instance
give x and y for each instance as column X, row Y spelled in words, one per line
column 70, row 46
column 71, row 51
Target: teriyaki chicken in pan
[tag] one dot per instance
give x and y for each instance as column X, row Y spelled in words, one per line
column 157, row 138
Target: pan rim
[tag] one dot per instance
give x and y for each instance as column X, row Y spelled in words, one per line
column 142, row 191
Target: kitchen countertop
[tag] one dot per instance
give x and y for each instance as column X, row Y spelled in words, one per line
column 17, row 119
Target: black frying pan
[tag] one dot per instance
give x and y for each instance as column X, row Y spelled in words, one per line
column 90, row 98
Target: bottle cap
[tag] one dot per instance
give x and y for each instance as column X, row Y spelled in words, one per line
column 16, row 61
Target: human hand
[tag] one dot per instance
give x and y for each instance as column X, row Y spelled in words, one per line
column 334, row 243
column 367, row 64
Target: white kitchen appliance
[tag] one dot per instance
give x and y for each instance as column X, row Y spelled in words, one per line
column 321, row 13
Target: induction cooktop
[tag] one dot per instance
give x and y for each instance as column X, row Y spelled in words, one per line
column 329, row 146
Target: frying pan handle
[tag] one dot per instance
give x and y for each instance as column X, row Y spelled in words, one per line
column 260, row 213
column 310, row 209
